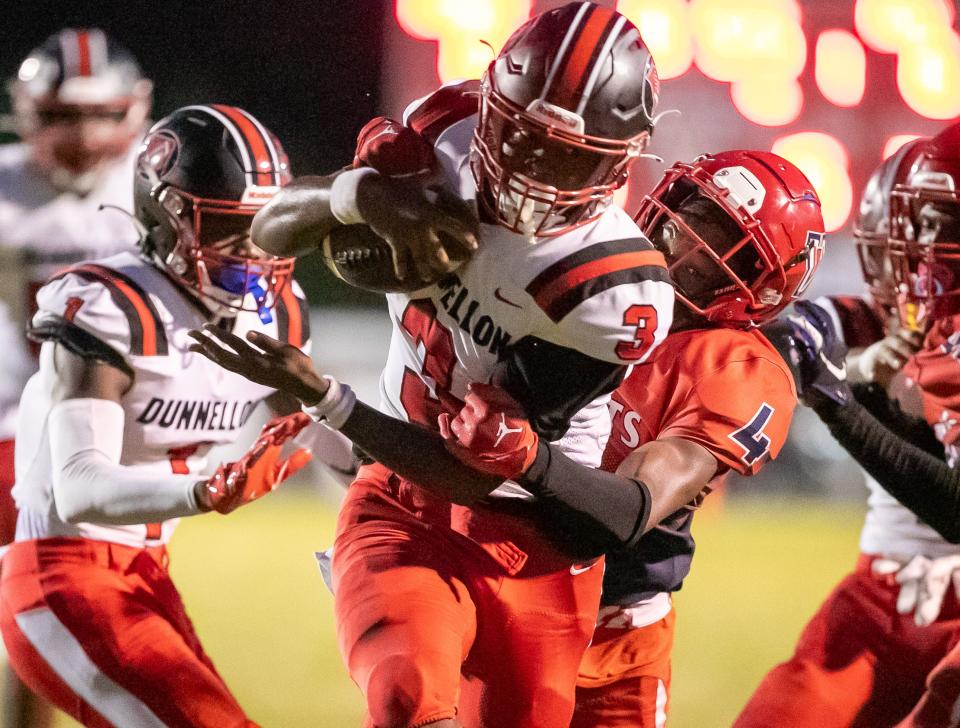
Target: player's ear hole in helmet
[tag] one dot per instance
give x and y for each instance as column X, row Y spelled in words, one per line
column 741, row 232
column 202, row 173
column 79, row 100
column 564, row 109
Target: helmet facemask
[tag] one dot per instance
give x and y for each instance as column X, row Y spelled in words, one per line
column 925, row 252
column 214, row 257
column 537, row 173
column 718, row 256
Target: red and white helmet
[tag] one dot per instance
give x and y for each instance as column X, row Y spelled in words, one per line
column 925, row 229
column 201, row 175
column 766, row 234
column 80, row 101
column 564, row 108
column 871, row 229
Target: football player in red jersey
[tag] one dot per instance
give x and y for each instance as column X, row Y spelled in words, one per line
column 563, row 293
column 897, row 447
column 742, row 233
column 116, row 427
column 864, row 657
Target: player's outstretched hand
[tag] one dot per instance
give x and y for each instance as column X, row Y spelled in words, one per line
column 816, row 354
column 880, row 361
column 491, row 433
column 430, row 222
column 265, row 361
column 259, row 471
column 923, row 584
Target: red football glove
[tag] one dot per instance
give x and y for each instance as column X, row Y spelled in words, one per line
column 491, row 433
column 259, row 471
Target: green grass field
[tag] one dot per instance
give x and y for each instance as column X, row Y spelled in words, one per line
column 252, row 587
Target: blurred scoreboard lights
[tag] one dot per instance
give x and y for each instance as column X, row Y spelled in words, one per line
column 758, row 47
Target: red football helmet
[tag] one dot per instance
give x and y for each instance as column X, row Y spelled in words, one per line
column 766, row 234
column 203, row 172
column 80, row 101
column 925, row 229
column 871, row 229
column 564, row 108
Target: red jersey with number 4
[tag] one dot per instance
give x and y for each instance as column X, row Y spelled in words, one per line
column 180, row 405
column 601, row 289
column 725, row 389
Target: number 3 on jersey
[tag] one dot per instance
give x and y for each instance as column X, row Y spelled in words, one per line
column 643, row 317
column 426, row 394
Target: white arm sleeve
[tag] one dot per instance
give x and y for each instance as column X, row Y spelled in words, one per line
column 90, row 485
column 331, row 448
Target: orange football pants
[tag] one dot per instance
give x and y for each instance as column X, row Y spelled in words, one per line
column 625, row 677
column 99, row 630
column 434, row 625
column 858, row 662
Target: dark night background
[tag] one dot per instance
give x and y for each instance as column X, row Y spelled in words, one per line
column 310, row 71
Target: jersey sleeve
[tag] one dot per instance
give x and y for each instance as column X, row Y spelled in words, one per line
column 612, row 300
column 450, row 103
column 85, row 317
column 293, row 317
column 740, row 412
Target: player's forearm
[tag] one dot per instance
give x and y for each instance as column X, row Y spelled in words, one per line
column 417, row 454
column 914, row 430
column 923, row 483
column 586, row 512
column 297, row 219
column 90, row 485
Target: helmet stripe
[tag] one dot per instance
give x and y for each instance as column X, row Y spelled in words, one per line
column 583, row 56
column 567, row 40
column 70, row 52
column 268, row 142
column 612, row 37
column 99, row 54
column 257, row 143
column 83, row 54
column 234, row 132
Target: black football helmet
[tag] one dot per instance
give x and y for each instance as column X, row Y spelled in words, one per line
column 201, row 175
column 564, row 108
column 871, row 229
column 80, row 100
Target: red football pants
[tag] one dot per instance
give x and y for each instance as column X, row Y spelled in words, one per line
column 99, row 630
column 8, row 509
column 625, row 677
column 431, row 626
column 858, row 662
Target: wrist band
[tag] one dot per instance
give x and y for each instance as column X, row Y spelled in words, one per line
column 343, row 195
column 336, row 405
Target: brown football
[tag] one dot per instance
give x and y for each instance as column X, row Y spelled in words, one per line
column 362, row 259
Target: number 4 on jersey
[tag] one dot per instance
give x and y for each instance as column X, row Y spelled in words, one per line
column 750, row 437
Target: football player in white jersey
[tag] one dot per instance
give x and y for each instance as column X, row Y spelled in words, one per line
column 438, row 569
column 116, row 426
column 80, row 103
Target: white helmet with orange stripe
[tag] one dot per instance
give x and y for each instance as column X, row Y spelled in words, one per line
column 201, row 175
column 80, row 101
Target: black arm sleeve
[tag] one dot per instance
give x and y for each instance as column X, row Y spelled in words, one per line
column 585, row 512
column 922, row 482
column 553, row 382
column 914, row 430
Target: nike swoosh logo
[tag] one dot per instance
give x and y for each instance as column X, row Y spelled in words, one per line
column 840, row 372
column 580, row 569
column 499, row 297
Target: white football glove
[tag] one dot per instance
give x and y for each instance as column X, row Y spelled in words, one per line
column 882, row 359
column 923, row 584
